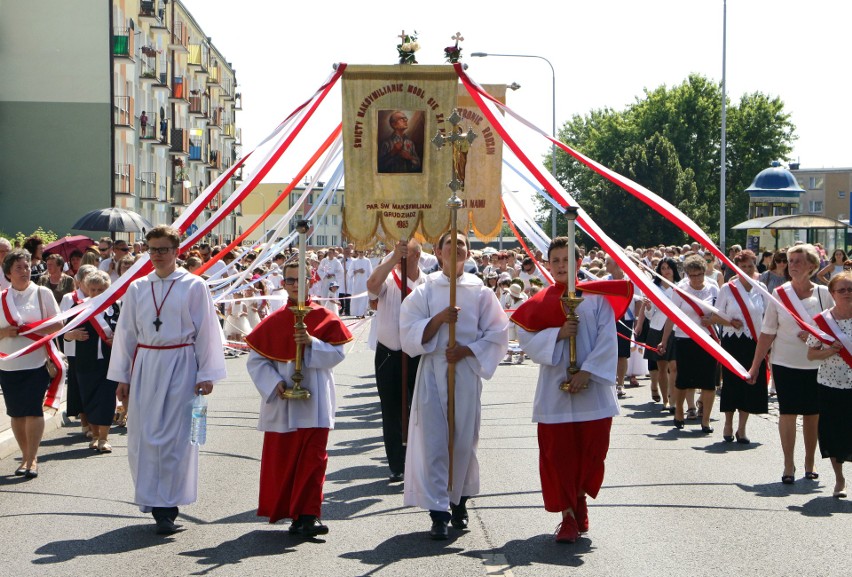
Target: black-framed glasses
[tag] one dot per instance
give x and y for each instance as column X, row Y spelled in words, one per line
column 160, row 250
column 124, row 249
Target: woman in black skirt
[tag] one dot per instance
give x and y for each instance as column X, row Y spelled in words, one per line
column 696, row 368
column 93, row 346
column 25, row 379
column 740, row 302
column 74, row 406
column 658, row 363
column 835, row 383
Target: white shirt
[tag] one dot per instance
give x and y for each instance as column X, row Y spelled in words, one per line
column 27, row 304
column 729, row 307
column 387, row 312
column 787, row 349
column 707, row 294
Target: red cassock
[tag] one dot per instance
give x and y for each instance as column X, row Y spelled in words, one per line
column 571, row 454
column 293, row 464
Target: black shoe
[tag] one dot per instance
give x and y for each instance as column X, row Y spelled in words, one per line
column 728, row 438
column 311, row 526
column 459, row 519
column 167, row 527
column 295, row 527
column 706, row 430
column 439, row 531
column 20, row 471
column 678, row 424
column 742, row 440
column 31, row 473
column 396, row 478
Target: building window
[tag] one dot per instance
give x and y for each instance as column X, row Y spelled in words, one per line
column 815, row 182
column 815, row 206
column 333, row 240
column 841, row 194
column 334, row 219
column 322, row 240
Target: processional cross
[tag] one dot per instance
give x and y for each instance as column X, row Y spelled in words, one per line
column 454, row 203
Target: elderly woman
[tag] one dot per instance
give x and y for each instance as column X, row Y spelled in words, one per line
column 794, row 374
column 696, row 368
column 25, row 379
column 835, row 380
column 744, row 306
column 59, row 283
column 92, row 354
column 74, row 404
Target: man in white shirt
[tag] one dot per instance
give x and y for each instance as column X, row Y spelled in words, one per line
column 386, row 282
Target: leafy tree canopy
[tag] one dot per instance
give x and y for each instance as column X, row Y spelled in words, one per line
column 669, row 141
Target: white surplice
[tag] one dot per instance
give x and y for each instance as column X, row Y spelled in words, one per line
column 483, row 326
column 597, row 353
column 358, row 270
column 163, row 464
column 329, row 270
column 279, row 415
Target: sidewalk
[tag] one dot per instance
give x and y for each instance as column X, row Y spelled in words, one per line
column 8, row 446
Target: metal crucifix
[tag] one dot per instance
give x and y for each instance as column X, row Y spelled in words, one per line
column 457, row 138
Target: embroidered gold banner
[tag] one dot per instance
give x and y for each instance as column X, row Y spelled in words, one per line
column 396, row 180
column 479, row 166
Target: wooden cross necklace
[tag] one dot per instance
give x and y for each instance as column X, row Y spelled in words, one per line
column 158, row 309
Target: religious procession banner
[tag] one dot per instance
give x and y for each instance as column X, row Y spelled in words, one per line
column 479, row 166
column 396, row 179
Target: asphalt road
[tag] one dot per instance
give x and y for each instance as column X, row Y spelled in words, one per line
column 673, row 503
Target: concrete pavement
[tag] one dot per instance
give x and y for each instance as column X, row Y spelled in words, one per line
column 673, row 503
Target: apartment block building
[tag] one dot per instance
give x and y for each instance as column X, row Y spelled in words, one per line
column 828, row 191
column 112, row 103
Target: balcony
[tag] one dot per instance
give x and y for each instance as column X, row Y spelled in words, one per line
column 215, row 162
column 180, row 193
column 148, row 11
column 230, row 132
column 179, row 91
column 197, row 106
column 198, row 57
column 123, row 179
column 123, row 113
column 180, row 142
column 161, row 84
column 161, row 138
column 213, row 75
column 122, row 44
column 147, row 187
column 179, row 41
column 214, row 202
column 196, row 153
column 147, row 132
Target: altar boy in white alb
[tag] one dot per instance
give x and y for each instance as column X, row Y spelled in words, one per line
column 167, row 348
column 481, row 341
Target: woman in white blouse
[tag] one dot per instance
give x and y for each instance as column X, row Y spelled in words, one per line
column 740, row 302
column 795, row 376
column 835, row 382
column 25, row 379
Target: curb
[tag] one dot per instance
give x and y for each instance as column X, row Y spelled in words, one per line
column 8, row 445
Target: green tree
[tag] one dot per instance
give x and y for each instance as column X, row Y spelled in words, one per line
column 670, row 141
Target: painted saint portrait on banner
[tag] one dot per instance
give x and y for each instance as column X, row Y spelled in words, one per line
column 400, row 142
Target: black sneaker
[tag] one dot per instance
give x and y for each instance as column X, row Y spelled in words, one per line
column 295, row 527
column 396, row 478
column 166, row 526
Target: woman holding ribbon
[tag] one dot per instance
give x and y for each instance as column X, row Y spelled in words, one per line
column 27, row 385
column 794, row 374
column 744, row 306
column 835, row 378
column 696, row 368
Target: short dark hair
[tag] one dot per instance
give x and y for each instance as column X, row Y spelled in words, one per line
column 164, row 231
column 60, row 262
column 14, row 256
column 562, row 242
column 32, row 243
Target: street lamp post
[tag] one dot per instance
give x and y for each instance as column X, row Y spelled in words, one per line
column 553, row 118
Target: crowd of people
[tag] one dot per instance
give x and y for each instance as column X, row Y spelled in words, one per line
column 148, row 355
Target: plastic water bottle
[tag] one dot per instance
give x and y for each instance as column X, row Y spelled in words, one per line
column 198, row 431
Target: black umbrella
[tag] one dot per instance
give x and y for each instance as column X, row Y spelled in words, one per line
column 114, row 220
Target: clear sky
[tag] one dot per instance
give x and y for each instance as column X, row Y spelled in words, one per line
column 604, row 52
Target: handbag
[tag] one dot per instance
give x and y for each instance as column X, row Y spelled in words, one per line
column 52, row 369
